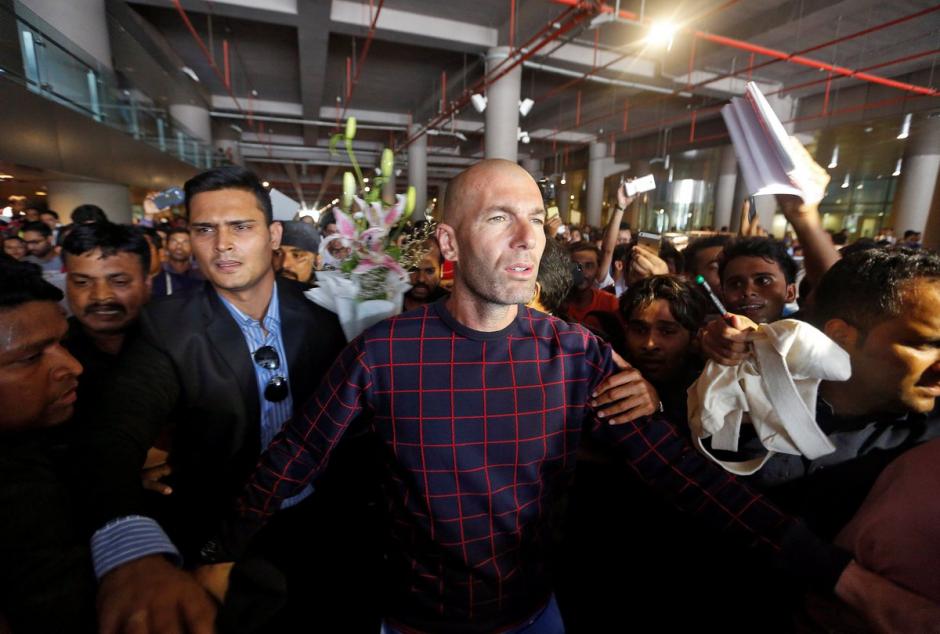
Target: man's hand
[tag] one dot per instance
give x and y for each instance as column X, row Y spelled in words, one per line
column 551, row 226
column 625, row 396
column 728, row 343
column 155, row 469
column 152, row 595
column 887, row 607
column 645, row 263
column 624, row 201
column 214, row 578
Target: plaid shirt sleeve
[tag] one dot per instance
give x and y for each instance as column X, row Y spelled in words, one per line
column 299, row 452
column 662, row 456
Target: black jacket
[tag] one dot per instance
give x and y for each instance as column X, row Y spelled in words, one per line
column 190, row 369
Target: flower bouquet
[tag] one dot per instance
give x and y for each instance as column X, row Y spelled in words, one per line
column 369, row 282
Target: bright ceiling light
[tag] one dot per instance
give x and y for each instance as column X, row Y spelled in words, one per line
column 478, row 101
column 905, row 127
column 523, row 136
column 834, row 161
column 40, row 193
column 846, row 182
column 897, row 169
column 661, row 34
column 525, row 106
column 4, row 177
column 189, row 72
column 563, row 179
column 265, row 184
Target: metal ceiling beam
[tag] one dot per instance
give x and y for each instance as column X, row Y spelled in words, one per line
column 313, row 44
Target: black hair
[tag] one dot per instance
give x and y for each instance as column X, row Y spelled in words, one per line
column 554, row 278
column 669, row 253
column 229, row 177
column 759, row 247
column 12, row 236
column 862, row 244
column 686, row 302
column 624, row 225
column 110, row 239
column 691, row 252
column 153, row 235
column 54, row 214
column 867, row 287
column 38, row 227
column 909, row 233
column 622, row 253
column 22, row 282
column 86, row 214
column 174, row 230
column 326, row 218
column 577, row 247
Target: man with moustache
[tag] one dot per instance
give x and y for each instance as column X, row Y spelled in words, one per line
column 426, row 278
column 480, row 404
column 106, row 286
column 226, row 365
column 300, row 247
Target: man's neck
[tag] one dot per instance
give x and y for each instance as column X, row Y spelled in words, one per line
column 252, row 301
column 845, row 398
column 581, row 298
column 411, row 304
column 180, row 267
column 109, row 343
column 47, row 257
column 478, row 314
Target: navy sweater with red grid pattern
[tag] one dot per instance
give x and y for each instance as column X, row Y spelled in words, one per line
column 480, row 431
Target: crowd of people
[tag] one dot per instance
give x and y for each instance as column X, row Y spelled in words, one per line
column 188, row 443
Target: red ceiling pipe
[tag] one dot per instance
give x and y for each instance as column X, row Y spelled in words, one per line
column 215, row 68
column 225, row 65
column 890, row 62
column 362, row 57
column 795, row 58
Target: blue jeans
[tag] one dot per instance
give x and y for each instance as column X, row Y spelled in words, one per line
column 545, row 621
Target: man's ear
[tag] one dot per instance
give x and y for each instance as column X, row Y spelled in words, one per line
column 843, row 333
column 791, row 293
column 277, row 230
column 447, row 239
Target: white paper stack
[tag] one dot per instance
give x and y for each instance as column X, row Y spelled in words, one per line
column 765, row 152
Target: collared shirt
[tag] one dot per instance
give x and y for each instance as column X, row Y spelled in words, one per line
column 258, row 334
column 127, row 538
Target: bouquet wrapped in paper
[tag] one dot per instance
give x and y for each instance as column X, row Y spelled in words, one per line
column 369, row 283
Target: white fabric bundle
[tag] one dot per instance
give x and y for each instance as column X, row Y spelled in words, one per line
column 775, row 390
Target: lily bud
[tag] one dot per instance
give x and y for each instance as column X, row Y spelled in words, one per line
column 350, row 128
column 410, row 199
column 349, row 189
column 388, row 162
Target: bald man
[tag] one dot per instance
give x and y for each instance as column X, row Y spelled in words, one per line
column 480, row 404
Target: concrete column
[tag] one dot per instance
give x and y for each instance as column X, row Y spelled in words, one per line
column 64, row 196
column 564, row 203
column 919, row 173
column 740, row 195
column 766, row 209
column 597, row 155
column 194, row 119
column 230, row 149
column 418, row 171
column 502, row 109
column 84, row 22
column 638, row 167
column 724, row 190
column 533, row 166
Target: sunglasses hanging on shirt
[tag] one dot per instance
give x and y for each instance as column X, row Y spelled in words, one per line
column 277, row 388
